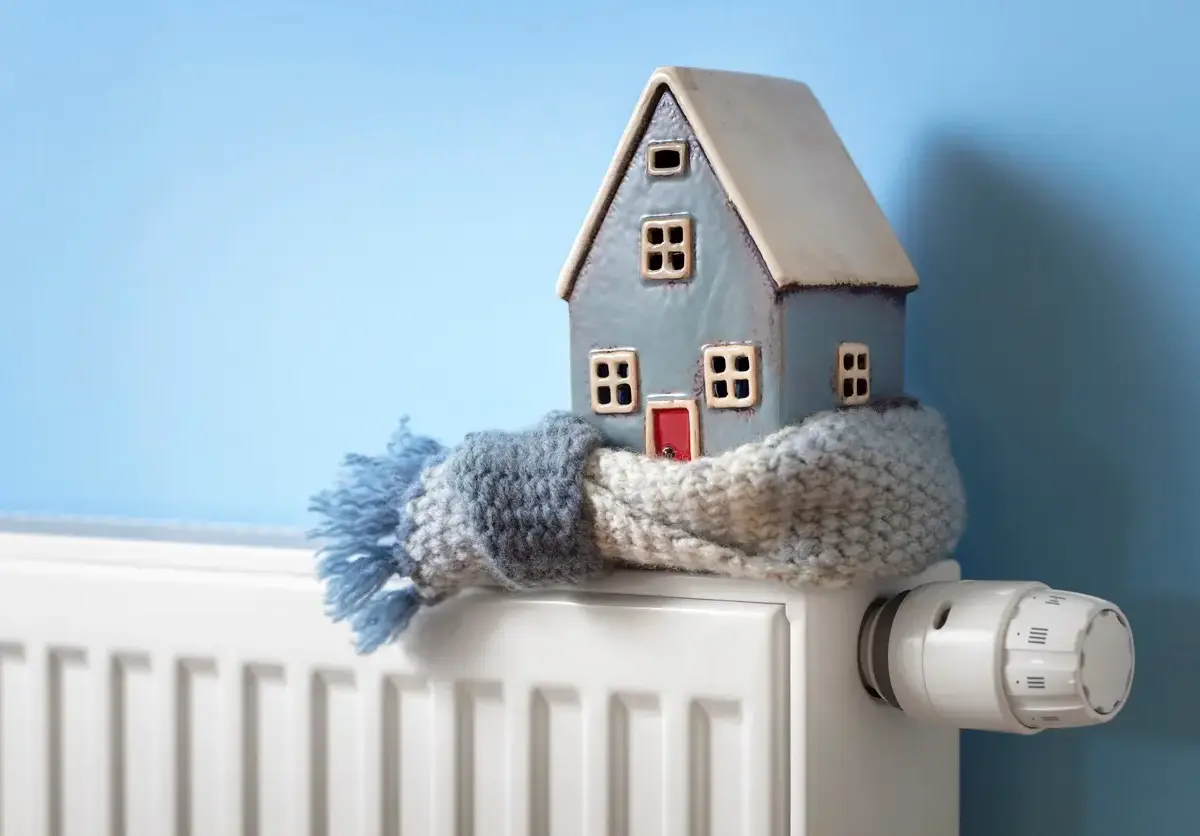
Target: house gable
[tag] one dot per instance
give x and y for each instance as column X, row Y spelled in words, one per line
column 727, row 299
column 786, row 173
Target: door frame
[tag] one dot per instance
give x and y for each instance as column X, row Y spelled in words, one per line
column 654, row 404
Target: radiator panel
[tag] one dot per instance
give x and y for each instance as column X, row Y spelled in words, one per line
column 144, row 700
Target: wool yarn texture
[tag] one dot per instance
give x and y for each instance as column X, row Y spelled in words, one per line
column 844, row 497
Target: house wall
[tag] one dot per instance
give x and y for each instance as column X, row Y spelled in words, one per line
column 816, row 321
column 730, row 297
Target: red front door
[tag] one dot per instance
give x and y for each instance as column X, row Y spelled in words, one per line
column 671, row 433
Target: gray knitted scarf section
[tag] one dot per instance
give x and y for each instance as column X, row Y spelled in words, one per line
column 844, row 497
column 522, row 497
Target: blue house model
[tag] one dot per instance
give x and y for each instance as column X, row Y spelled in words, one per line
column 734, row 274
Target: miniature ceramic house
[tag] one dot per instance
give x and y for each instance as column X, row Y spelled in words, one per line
column 734, row 273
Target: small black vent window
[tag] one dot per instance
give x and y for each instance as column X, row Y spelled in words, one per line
column 666, row 159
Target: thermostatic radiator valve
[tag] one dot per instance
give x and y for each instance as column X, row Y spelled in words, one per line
column 997, row 656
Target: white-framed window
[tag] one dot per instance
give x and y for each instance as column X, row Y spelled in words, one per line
column 853, row 374
column 731, row 376
column 613, row 379
column 667, row 248
column 666, row 159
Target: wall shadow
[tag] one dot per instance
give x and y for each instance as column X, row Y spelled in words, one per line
column 1031, row 334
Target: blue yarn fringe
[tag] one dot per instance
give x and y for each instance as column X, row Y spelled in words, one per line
column 364, row 530
column 384, row 617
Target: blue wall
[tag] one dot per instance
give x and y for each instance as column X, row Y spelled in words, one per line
column 239, row 239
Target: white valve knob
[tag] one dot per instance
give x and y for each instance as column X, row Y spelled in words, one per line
column 1069, row 660
column 1015, row 657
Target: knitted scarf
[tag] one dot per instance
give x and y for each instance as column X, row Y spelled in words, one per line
column 844, row 497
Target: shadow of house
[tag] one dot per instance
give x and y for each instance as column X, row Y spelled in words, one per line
column 1032, row 335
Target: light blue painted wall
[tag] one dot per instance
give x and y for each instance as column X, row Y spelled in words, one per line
column 238, row 239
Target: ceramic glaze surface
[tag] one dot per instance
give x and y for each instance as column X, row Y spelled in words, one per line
column 815, row 322
column 728, row 299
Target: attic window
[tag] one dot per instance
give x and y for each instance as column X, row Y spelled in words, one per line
column 613, row 380
column 667, row 248
column 731, row 376
column 664, row 159
column 853, row 374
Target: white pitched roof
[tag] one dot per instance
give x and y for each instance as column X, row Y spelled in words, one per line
column 786, row 171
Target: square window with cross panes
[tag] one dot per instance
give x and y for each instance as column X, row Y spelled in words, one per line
column 853, row 374
column 667, row 248
column 731, row 376
column 614, row 381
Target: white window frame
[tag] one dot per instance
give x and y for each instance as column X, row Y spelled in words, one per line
column 664, row 247
column 678, row 147
column 729, row 354
column 858, row 376
column 609, row 361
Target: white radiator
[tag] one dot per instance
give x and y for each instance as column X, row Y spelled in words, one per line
column 155, row 688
